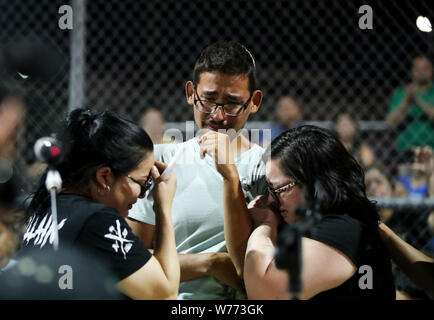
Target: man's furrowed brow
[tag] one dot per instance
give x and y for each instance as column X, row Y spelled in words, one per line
column 233, row 97
column 209, row 93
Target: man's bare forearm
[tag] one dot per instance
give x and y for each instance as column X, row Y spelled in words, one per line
column 237, row 222
column 415, row 264
column 195, row 265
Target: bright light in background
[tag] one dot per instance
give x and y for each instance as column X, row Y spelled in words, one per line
column 23, row 75
column 423, row 24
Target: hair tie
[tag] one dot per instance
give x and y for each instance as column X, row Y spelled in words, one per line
column 87, row 118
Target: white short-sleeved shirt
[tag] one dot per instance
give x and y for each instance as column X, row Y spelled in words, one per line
column 197, row 210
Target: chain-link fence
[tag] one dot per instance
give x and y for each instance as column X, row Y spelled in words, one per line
column 130, row 56
column 138, row 55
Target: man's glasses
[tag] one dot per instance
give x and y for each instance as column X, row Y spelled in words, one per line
column 275, row 193
column 143, row 186
column 209, row 107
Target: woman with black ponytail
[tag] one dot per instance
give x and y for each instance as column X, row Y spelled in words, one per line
column 108, row 164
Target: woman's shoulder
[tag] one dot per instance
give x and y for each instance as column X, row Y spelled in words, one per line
column 83, row 205
column 341, row 221
column 340, row 231
column 79, row 210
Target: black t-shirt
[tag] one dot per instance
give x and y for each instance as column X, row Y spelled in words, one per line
column 363, row 246
column 100, row 231
column 58, row 275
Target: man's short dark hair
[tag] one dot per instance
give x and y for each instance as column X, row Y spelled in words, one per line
column 227, row 57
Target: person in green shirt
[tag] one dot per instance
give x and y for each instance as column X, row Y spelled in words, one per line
column 411, row 108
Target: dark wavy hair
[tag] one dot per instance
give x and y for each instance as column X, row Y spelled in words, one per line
column 320, row 164
column 227, row 57
column 90, row 141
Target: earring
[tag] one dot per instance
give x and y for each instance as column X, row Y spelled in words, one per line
column 108, row 188
column 99, row 190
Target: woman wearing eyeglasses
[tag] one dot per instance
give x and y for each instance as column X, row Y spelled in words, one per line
column 343, row 257
column 108, row 164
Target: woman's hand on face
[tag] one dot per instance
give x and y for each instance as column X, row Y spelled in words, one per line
column 164, row 190
column 261, row 213
column 218, row 146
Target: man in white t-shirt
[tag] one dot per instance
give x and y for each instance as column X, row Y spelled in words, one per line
column 223, row 94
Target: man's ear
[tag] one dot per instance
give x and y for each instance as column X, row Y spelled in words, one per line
column 104, row 177
column 189, row 92
column 255, row 103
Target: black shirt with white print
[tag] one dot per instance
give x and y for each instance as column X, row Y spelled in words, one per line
column 97, row 229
